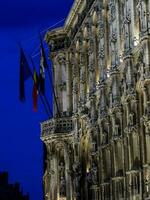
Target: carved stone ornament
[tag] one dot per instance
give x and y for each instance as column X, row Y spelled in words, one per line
column 102, row 52
column 101, row 29
column 128, row 16
column 93, row 175
column 114, row 36
column 112, row 11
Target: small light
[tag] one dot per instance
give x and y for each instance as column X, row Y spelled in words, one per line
column 120, row 58
column 87, row 170
column 135, row 41
column 108, row 74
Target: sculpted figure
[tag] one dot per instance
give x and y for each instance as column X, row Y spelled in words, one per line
column 77, row 179
column 93, row 175
column 62, row 187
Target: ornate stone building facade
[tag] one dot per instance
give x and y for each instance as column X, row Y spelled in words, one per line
column 98, row 143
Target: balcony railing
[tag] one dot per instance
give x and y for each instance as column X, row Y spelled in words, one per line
column 56, row 125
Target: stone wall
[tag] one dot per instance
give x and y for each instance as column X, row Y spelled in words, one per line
column 101, row 63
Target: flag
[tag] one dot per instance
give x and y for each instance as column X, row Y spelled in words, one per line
column 42, row 78
column 25, row 73
column 43, row 55
column 35, row 91
column 43, row 66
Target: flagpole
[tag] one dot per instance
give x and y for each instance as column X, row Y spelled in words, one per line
column 51, row 114
column 42, row 100
column 42, row 31
column 51, row 83
column 53, row 25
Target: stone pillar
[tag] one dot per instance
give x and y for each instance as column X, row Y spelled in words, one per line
column 114, row 158
column 129, row 151
column 69, row 82
column 127, row 28
column 75, row 80
column 55, row 98
column 93, row 109
column 94, row 192
column 63, row 86
column 145, row 99
column 127, row 112
column 74, row 91
column 101, row 42
column 82, row 73
column 114, row 33
column 95, row 44
column 69, row 191
column 46, row 176
column 91, row 59
column 86, row 60
column 92, row 66
column 113, row 120
column 143, row 15
column 54, row 179
column 102, row 100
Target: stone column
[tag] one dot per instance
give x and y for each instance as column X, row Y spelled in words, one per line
column 55, row 87
column 91, row 59
column 47, row 180
column 69, row 82
column 101, row 42
column 129, row 151
column 113, row 22
column 63, row 87
column 127, row 112
column 69, row 191
column 93, row 108
column 75, row 80
column 148, row 16
column 82, row 72
column 54, row 178
column 114, row 158
column 58, row 83
column 92, row 78
column 127, row 28
column 144, row 14
column 86, row 60
column 95, row 43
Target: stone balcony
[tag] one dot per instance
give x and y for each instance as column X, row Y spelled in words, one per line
column 56, row 126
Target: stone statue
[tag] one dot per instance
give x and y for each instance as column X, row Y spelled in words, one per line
column 62, row 186
column 93, row 175
column 77, row 179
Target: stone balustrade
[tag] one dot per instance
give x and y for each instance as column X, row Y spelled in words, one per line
column 56, row 125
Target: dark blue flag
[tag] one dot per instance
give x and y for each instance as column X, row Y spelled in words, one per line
column 25, row 73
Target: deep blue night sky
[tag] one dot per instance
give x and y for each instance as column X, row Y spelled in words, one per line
column 20, row 145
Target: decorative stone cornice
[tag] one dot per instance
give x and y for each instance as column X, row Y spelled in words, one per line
column 72, row 24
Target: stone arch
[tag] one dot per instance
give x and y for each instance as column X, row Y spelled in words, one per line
column 60, row 178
